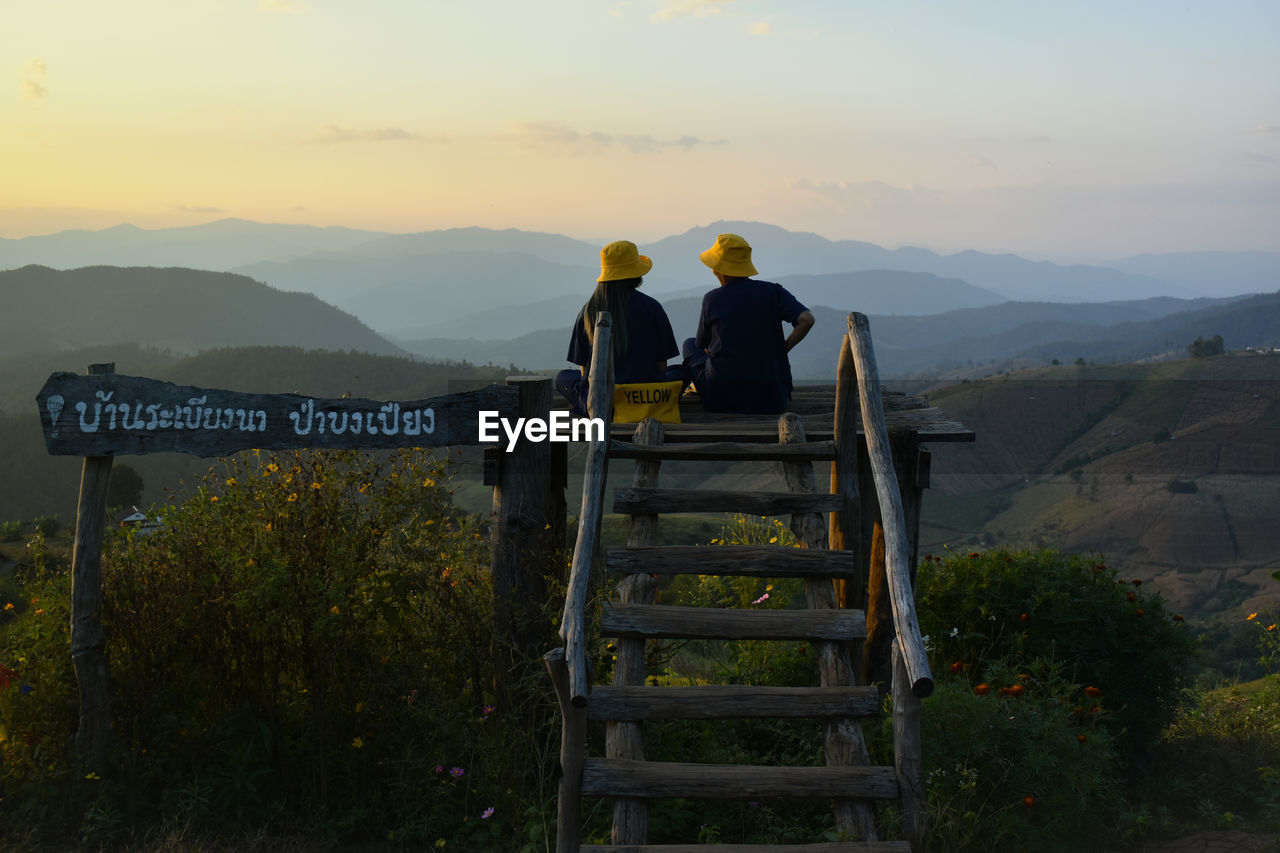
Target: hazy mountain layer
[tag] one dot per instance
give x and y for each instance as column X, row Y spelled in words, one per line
column 177, row 309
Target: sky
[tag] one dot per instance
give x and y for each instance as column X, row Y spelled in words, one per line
column 1069, row 131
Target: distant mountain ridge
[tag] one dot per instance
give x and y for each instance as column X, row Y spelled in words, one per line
column 182, row 310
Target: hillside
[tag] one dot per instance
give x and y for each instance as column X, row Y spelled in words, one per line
column 181, row 310
column 1076, row 458
column 967, row 342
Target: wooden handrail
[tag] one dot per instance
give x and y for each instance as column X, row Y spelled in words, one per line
column 897, row 562
column 573, row 623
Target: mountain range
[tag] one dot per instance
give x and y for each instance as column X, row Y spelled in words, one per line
column 415, row 285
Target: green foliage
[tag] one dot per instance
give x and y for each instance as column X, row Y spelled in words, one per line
column 1014, row 763
column 1218, row 763
column 1201, row 348
column 48, row 526
column 1105, row 632
column 10, row 531
column 305, row 644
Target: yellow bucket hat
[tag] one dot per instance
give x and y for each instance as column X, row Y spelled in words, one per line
column 730, row 255
column 621, row 259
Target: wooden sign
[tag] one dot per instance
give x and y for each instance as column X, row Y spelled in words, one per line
column 111, row 414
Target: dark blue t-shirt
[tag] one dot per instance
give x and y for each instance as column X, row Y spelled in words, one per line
column 741, row 330
column 650, row 341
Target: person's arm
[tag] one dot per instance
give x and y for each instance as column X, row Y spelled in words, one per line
column 802, row 326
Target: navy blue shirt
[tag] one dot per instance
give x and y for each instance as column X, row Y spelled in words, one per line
column 650, row 341
column 741, row 329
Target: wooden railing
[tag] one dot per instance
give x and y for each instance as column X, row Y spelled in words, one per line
column 572, row 628
column 909, row 642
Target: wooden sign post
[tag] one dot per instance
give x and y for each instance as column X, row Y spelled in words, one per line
column 102, row 414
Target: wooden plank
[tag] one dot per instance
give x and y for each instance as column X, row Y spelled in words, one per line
column 88, row 643
column 843, row 741
column 705, row 623
column 614, row 778
column 625, row 739
column 114, row 414
column 891, row 510
column 760, row 561
column 725, row 450
column 647, row 501
column 734, row 701
column 816, row 847
column 573, row 619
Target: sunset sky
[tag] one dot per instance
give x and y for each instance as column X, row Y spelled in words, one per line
column 1065, row 130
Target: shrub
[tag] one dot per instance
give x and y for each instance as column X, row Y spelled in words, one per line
column 10, row 531
column 1105, row 632
column 306, row 644
column 1181, row 487
column 1014, row 761
column 48, row 525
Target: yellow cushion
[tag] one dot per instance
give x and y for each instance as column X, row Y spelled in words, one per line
column 635, row 401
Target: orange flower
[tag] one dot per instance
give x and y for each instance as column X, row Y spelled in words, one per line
column 1137, row 582
column 1081, row 737
column 1015, row 690
column 957, row 666
column 1131, row 596
column 1092, row 692
column 1028, row 801
column 1177, row 617
column 1024, row 617
column 1140, row 612
column 982, row 689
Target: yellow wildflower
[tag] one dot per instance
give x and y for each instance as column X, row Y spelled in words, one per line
column 1251, row 617
column 335, row 610
column 358, row 743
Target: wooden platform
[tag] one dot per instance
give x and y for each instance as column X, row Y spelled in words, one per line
column 815, row 404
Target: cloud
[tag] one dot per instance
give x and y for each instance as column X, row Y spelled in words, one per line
column 1270, row 129
column 187, row 208
column 292, row 7
column 561, row 139
column 1041, row 140
column 33, row 81
column 762, row 28
column 692, row 8
column 334, row 133
column 978, row 161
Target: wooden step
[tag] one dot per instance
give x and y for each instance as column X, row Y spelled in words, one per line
column 735, row 701
column 812, row 451
column 758, row 561
column 706, row 623
column 819, row 847
column 651, row 501
column 615, row 777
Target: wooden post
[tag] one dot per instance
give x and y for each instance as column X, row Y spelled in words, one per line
column 908, row 752
column 524, row 544
column 842, row 737
column 625, row 739
column 573, row 740
column 844, row 525
column 88, row 645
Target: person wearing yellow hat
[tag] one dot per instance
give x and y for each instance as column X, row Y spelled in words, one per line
column 738, row 359
column 642, row 339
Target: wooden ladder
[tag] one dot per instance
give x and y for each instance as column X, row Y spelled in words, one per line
column 847, row 780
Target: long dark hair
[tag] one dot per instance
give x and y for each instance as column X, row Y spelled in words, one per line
column 614, row 297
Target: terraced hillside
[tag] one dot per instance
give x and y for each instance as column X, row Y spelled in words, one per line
column 1170, row 471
